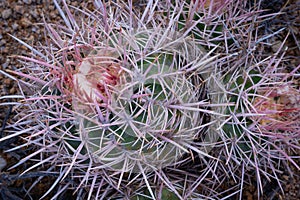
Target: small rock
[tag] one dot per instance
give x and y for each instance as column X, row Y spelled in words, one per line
column 34, row 29
column 30, row 39
column 51, row 7
column 25, row 22
column 15, row 26
column 2, row 42
column 6, row 13
column 12, row 90
column 285, row 177
column 27, row 1
column 4, row 65
column 5, row 50
column 34, row 13
column 19, row 9
column 7, row 81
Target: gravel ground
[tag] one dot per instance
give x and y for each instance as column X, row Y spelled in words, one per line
column 23, row 18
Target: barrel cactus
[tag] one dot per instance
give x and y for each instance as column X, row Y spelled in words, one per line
column 259, row 127
column 138, row 105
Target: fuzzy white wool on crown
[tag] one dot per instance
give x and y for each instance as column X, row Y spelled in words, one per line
column 85, row 86
column 85, row 67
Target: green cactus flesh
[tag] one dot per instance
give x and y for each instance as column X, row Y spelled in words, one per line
column 144, row 113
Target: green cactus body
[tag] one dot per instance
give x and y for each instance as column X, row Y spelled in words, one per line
column 143, row 109
column 164, row 195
